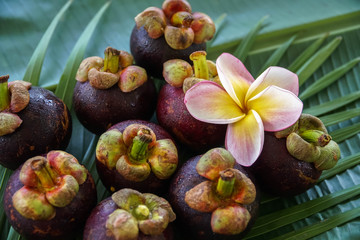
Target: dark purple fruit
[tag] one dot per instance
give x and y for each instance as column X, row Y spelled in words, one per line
column 292, row 160
column 277, row 172
column 172, row 114
column 148, row 181
column 198, row 225
column 95, row 228
column 46, row 125
column 99, row 109
column 151, row 53
column 49, row 197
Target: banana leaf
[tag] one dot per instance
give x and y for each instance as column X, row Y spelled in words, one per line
column 23, row 24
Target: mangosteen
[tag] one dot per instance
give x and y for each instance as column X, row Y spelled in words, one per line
column 129, row 215
column 214, row 197
column 112, row 90
column 171, row 111
column 292, row 160
column 172, row 32
column 33, row 121
column 136, row 154
column 49, row 197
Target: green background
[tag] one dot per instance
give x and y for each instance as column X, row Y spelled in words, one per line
column 23, row 23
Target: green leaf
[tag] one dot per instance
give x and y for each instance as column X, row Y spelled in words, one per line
column 316, row 60
column 13, row 235
column 321, row 227
column 343, row 164
column 33, row 69
column 338, row 117
column 342, row 134
column 305, row 55
column 274, row 59
column 245, row 45
column 287, row 216
column 328, row 79
column 219, row 24
column 67, row 82
column 332, row 105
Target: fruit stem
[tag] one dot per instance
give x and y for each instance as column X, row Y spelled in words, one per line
column 200, row 65
column 315, row 136
column 4, row 93
column 111, row 60
column 139, row 148
column 142, row 212
column 226, row 182
column 42, row 172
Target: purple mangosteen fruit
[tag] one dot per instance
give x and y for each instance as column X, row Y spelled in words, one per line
column 172, row 32
column 112, row 90
column 136, row 154
column 33, row 121
column 130, row 215
column 171, row 111
column 292, row 160
column 49, row 197
column 214, row 197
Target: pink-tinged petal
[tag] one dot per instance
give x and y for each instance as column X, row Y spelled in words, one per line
column 209, row 102
column 276, row 76
column 277, row 107
column 234, row 77
column 245, row 139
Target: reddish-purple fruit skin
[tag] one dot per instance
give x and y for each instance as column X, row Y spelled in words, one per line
column 95, row 225
column 46, row 126
column 194, row 224
column 68, row 220
column 152, row 53
column 99, row 109
column 172, row 114
column 279, row 173
column 114, row 181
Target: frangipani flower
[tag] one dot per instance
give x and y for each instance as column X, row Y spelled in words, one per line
column 248, row 106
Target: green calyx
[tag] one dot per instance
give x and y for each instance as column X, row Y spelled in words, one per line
column 135, row 153
column 224, row 194
column 4, row 93
column 49, row 183
column 309, row 141
column 147, row 213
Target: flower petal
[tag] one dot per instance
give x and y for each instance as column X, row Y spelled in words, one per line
column 276, row 76
column 209, row 102
column 277, row 107
column 234, row 77
column 245, row 138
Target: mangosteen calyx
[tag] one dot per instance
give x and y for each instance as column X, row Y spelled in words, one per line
column 136, row 212
column 115, row 68
column 308, row 140
column 135, row 152
column 224, row 193
column 14, row 97
column 49, row 182
column 179, row 73
column 176, row 22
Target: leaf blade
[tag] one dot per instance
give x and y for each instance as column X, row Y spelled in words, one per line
column 33, row 69
column 307, row 53
column 67, row 82
column 316, row 60
column 332, row 105
column 274, row 59
column 328, row 79
column 242, row 50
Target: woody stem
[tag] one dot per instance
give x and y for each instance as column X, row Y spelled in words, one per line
column 111, row 60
